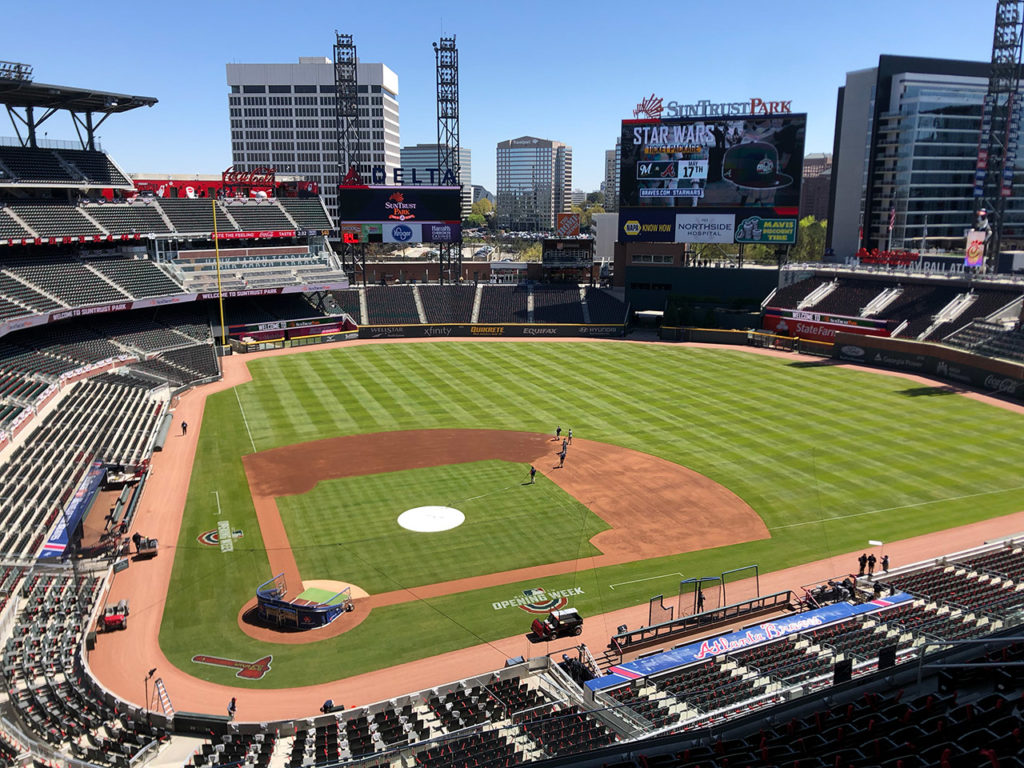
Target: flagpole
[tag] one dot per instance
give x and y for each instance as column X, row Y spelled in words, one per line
column 216, row 258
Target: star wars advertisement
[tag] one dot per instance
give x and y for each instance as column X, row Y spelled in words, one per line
column 744, row 162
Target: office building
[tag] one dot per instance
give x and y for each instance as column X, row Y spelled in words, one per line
column 422, row 158
column 283, row 116
column 906, row 145
column 814, row 188
column 479, row 193
column 612, row 161
column 534, row 182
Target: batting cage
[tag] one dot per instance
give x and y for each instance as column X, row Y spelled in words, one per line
column 699, row 595
column 658, row 612
column 310, row 609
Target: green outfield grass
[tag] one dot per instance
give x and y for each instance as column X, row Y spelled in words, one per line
column 829, row 457
column 346, row 529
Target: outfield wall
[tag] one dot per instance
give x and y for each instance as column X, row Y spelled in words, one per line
column 477, row 330
column 999, row 377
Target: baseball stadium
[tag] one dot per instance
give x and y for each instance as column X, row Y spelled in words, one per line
column 257, row 511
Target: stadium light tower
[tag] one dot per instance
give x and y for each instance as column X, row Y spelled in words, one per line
column 346, row 123
column 446, row 57
column 1000, row 118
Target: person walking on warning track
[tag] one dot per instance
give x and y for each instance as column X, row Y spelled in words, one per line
column 533, row 474
column 885, row 563
column 232, row 706
column 863, row 561
column 871, row 564
column 700, row 601
column 184, row 428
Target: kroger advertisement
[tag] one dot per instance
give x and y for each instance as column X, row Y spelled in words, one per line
column 742, row 162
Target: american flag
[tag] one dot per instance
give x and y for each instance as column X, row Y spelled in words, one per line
column 892, row 217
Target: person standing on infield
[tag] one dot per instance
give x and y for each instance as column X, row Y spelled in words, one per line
column 570, row 436
column 558, row 432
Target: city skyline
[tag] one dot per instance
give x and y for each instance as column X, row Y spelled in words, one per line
column 509, row 85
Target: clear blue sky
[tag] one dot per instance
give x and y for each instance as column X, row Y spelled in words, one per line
column 568, row 71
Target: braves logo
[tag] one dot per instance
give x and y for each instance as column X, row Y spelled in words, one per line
column 540, row 603
column 212, row 539
column 398, row 197
column 650, row 107
column 249, row 670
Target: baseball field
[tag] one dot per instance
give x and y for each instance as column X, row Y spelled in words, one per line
column 343, row 441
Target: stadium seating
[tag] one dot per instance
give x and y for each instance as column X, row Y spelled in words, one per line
column 63, row 277
column 95, row 167
column 447, row 303
column 308, row 213
column 391, row 304
column 504, row 304
column 45, row 679
column 113, row 422
column 850, row 297
column 557, row 304
column 139, row 278
column 348, row 301
column 604, row 307
column 193, row 216
column 9, row 228
column 256, row 215
column 790, row 296
column 139, row 217
column 54, row 219
column 23, row 295
column 36, row 165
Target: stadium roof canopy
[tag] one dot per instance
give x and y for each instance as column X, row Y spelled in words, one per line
column 25, row 93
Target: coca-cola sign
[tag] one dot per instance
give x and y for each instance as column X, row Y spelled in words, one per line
column 257, row 177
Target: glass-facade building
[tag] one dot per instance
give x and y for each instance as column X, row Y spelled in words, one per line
column 422, row 158
column 283, row 116
column 534, row 182
column 906, row 143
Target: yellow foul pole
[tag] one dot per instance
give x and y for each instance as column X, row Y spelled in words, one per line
column 216, row 258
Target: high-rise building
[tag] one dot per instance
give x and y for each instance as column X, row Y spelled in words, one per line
column 422, row 158
column 283, row 116
column 817, row 178
column 612, row 161
column 534, row 182
column 904, row 155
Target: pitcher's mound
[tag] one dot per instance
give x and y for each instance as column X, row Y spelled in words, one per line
column 431, row 519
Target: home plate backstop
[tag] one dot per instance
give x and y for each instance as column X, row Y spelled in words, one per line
column 310, row 609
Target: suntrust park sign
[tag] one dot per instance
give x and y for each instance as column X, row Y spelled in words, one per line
column 653, row 107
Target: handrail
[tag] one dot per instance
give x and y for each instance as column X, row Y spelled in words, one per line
column 683, row 624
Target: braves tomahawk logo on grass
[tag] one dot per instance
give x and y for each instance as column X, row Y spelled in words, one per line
column 212, row 538
column 539, row 600
column 250, row 670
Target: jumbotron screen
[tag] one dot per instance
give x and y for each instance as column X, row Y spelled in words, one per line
column 737, row 162
column 399, row 203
